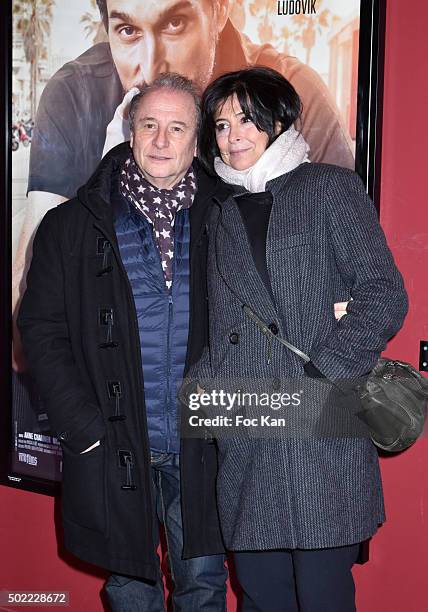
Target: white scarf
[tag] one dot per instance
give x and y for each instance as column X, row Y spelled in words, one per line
column 287, row 152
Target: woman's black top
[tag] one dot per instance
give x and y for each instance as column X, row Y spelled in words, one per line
column 255, row 209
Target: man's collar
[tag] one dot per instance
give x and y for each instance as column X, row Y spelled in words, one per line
column 95, row 195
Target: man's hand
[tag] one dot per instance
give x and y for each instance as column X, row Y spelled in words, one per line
column 118, row 128
column 340, row 309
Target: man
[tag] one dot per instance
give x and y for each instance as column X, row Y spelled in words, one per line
column 117, row 275
column 147, row 37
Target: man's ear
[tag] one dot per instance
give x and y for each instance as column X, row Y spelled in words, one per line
column 131, row 140
column 222, row 14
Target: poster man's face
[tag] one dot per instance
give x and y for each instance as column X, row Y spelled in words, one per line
column 148, row 37
column 164, row 136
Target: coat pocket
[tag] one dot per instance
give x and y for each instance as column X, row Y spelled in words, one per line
column 83, row 488
column 292, row 240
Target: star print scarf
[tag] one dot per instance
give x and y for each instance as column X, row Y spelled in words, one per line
column 159, row 206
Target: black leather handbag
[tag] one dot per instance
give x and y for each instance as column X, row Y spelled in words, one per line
column 393, row 397
column 394, row 404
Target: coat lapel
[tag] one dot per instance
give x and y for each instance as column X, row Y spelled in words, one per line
column 207, row 186
column 235, row 261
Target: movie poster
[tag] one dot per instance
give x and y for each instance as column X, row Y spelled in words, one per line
column 69, row 79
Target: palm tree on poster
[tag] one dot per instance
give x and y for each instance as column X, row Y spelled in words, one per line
column 308, row 26
column 93, row 25
column 300, row 28
column 33, row 20
column 266, row 10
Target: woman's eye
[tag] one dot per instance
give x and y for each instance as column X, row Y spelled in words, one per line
column 220, row 127
column 176, row 129
column 246, row 120
column 174, row 25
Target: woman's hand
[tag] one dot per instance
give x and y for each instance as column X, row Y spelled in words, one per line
column 340, row 309
column 199, row 389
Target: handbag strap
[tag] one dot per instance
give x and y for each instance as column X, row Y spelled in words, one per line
column 267, row 332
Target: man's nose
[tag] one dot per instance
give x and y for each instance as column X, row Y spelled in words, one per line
column 161, row 138
column 153, row 58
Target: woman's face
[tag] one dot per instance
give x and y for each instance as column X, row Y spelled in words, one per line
column 238, row 139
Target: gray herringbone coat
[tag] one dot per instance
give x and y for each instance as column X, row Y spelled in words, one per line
column 324, row 245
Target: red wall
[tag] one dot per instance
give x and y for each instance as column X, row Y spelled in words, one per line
column 396, row 579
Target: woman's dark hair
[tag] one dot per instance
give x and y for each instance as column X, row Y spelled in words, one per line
column 265, row 97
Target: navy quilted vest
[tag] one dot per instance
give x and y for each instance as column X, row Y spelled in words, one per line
column 163, row 318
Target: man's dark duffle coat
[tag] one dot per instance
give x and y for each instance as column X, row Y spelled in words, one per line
column 307, row 488
column 79, row 329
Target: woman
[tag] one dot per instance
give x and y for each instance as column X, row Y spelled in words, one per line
column 291, row 239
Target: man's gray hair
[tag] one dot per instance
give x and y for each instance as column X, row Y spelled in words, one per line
column 172, row 82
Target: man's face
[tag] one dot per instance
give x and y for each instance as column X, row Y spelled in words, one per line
column 164, row 136
column 148, row 37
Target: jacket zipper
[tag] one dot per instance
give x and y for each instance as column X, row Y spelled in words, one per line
column 168, row 388
column 170, row 303
column 170, row 316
